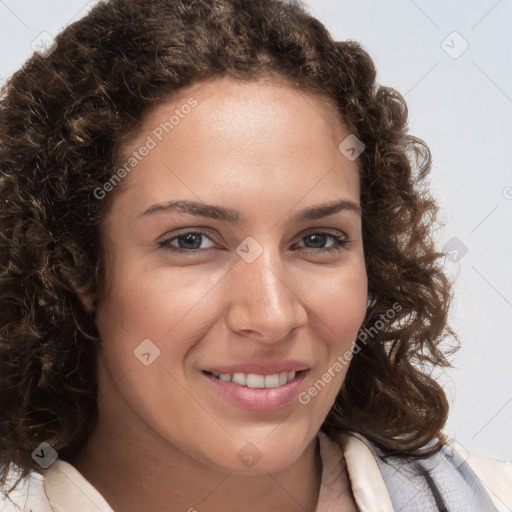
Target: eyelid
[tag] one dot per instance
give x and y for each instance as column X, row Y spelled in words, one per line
column 208, row 231
column 328, row 231
column 165, row 242
column 185, row 231
column 340, row 237
column 341, row 241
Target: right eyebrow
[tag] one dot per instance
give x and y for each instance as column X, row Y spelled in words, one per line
column 234, row 217
column 197, row 209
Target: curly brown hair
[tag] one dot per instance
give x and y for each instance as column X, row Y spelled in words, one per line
column 63, row 121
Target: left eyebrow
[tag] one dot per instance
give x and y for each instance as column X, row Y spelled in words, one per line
column 233, row 216
column 324, row 210
column 197, row 209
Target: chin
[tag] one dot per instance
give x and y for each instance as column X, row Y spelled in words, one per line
column 256, row 454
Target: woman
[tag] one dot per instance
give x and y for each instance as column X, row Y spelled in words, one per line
column 219, row 286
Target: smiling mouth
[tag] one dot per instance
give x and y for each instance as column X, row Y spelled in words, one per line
column 256, row 381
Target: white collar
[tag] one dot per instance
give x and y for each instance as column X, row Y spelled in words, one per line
column 368, row 486
column 68, row 490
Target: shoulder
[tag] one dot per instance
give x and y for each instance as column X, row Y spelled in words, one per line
column 495, row 475
column 27, row 496
column 449, row 476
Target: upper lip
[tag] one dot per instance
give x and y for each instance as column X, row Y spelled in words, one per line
column 285, row 365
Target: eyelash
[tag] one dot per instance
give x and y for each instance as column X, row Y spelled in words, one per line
column 340, row 241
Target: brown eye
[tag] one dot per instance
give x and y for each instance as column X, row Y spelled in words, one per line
column 319, row 239
column 184, row 242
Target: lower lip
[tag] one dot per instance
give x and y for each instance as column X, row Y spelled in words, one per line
column 258, row 399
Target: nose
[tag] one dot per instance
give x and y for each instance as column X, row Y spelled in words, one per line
column 264, row 302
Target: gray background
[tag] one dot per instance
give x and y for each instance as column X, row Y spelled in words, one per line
column 460, row 103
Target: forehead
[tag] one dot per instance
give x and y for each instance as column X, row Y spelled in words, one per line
column 231, row 109
column 228, row 134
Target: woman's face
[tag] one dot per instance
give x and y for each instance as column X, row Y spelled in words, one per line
column 248, row 278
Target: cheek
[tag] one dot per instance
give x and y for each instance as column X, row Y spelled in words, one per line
column 150, row 304
column 338, row 303
column 340, row 307
column 148, row 324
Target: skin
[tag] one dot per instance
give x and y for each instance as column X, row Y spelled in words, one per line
column 165, row 439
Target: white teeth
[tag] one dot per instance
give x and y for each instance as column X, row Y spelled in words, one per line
column 240, row 379
column 272, row 381
column 255, row 381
